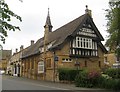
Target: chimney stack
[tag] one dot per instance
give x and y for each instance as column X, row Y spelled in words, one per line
column 21, row 47
column 16, row 50
column 32, row 42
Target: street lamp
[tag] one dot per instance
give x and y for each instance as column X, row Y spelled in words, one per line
column 77, row 64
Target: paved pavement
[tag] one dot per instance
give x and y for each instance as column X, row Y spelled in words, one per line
column 20, row 83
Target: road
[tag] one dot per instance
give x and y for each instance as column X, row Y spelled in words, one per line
column 19, row 83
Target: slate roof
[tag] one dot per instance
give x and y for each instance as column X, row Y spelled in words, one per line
column 33, row 49
column 60, row 35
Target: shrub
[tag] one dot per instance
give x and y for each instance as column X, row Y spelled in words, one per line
column 88, row 79
column 94, row 78
column 117, row 84
column 113, row 84
column 66, row 74
column 108, row 83
column 106, row 76
column 113, row 72
column 81, row 79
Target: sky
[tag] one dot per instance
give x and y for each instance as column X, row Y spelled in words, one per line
column 34, row 13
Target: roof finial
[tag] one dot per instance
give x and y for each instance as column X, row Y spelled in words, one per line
column 48, row 11
column 86, row 6
column 87, row 11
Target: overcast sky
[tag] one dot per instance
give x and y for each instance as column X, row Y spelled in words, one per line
column 34, row 13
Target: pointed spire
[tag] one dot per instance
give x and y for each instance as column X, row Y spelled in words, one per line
column 48, row 21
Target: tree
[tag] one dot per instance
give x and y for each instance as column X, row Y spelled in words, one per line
column 113, row 26
column 5, row 18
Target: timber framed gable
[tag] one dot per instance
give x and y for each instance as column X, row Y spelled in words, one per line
column 88, row 25
column 86, row 37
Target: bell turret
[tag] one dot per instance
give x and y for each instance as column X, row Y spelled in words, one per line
column 48, row 24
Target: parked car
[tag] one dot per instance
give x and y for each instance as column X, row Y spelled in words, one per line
column 2, row 72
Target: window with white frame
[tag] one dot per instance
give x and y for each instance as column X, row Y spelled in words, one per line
column 41, row 67
column 84, row 47
column 82, row 43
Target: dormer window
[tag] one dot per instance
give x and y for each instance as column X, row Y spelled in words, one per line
column 49, row 46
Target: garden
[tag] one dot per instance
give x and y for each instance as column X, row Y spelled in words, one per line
column 107, row 79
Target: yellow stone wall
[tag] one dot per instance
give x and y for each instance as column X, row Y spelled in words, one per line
column 0, row 64
column 4, row 64
column 111, row 58
column 92, row 63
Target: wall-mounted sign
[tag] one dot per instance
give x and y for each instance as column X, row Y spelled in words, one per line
column 55, row 58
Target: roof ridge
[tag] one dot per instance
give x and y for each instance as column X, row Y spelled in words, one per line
column 70, row 22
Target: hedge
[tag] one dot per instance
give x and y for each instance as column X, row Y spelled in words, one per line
column 66, row 74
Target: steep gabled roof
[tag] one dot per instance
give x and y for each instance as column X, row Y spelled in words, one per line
column 60, row 35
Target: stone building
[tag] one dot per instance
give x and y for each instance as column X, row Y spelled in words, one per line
column 14, row 66
column 4, row 58
column 76, row 45
column 30, row 59
column 110, row 60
